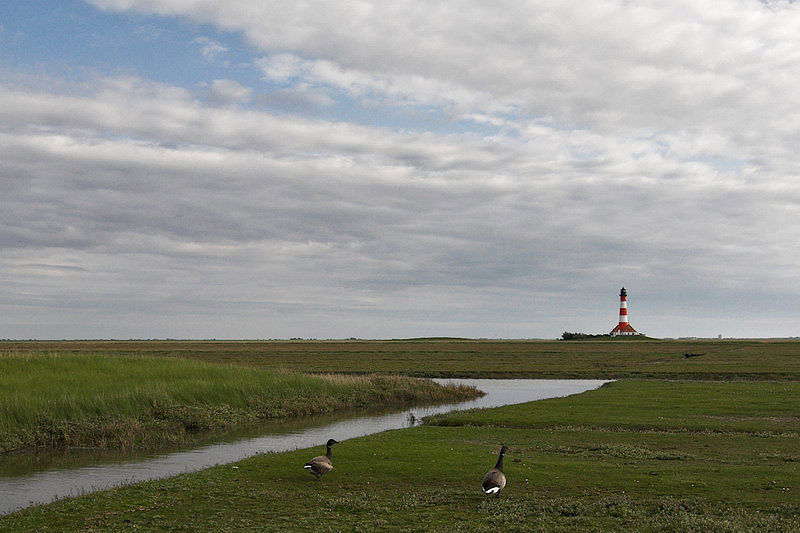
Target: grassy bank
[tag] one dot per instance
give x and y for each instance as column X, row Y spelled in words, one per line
column 713, row 359
column 621, row 464
column 134, row 402
column 685, row 407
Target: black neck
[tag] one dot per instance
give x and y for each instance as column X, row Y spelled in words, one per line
column 328, row 453
column 499, row 464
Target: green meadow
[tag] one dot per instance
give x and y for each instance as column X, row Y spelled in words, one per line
column 707, row 443
column 660, row 359
column 712, row 460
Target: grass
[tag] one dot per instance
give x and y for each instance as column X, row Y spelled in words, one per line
column 675, row 454
column 626, row 461
column 751, row 407
column 129, row 402
column 720, row 359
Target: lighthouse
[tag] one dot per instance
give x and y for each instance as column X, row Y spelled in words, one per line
column 624, row 327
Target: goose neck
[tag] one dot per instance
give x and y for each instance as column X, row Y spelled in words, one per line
column 499, row 465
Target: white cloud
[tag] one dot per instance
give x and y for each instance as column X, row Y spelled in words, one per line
column 229, row 92
column 244, row 195
column 649, row 144
column 609, row 64
column 282, row 67
column 210, row 49
column 394, row 90
column 301, row 98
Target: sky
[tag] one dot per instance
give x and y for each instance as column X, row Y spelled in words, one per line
column 316, row 169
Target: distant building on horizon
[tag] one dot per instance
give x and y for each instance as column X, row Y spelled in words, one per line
column 624, row 327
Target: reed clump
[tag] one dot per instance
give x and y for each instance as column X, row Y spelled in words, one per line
column 65, row 400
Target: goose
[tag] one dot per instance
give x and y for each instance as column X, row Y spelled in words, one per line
column 322, row 463
column 494, row 480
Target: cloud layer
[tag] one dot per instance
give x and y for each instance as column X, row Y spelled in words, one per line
column 403, row 169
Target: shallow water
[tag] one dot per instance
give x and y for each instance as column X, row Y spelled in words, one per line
column 31, row 479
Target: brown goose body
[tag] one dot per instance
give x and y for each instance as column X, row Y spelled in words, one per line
column 495, row 480
column 322, row 464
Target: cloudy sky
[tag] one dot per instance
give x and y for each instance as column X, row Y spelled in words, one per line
column 318, row 169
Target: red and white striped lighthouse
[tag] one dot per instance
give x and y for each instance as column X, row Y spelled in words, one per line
column 624, row 327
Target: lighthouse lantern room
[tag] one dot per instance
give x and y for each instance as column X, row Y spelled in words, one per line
column 624, row 327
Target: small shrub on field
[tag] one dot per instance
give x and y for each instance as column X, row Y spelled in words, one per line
column 619, row 451
column 619, row 513
column 674, row 506
column 716, row 520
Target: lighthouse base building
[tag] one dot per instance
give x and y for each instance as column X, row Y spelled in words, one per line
column 627, row 329
column 624, row 327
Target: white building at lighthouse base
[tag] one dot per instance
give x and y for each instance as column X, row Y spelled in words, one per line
column 623, row 329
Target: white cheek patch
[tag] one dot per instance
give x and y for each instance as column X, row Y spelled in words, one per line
column 307, row 466
column 492, row 490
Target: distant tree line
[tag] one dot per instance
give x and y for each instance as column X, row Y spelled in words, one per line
column 569, row 336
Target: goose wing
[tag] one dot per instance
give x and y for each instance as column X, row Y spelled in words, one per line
column 493, row 481
column 320, row 464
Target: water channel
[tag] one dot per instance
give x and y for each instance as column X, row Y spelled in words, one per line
column 43, row 479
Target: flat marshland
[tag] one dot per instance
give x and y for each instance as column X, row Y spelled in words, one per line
column 591, row 462
column 614, row 359
column 128, row 402
column 710, row 445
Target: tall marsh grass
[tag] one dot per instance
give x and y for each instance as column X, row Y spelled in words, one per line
column 113, row 401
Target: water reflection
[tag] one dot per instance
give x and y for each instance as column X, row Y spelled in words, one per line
column 93, row 470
